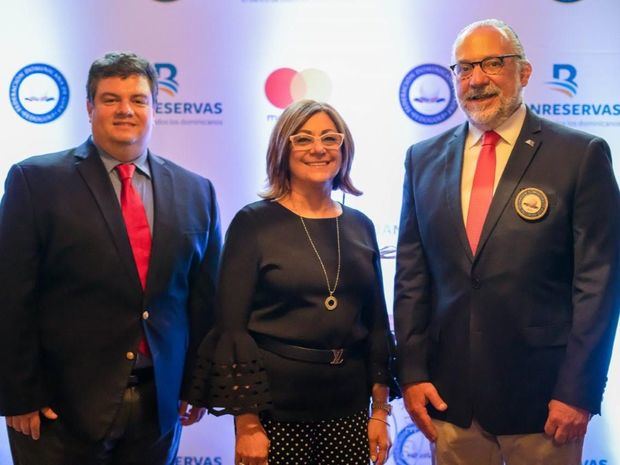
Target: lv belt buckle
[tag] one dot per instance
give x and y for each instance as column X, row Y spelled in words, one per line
column 337, row 356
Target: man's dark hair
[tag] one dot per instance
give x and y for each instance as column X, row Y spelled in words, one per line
column 121, row 64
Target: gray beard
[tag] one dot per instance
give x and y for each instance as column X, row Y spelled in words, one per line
column 487, row 121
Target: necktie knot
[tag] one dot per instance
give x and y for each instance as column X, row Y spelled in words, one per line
column 125, row 171
column 490, row 138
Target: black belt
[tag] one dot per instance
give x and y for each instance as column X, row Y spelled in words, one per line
column 140, row 376
column 305, row 354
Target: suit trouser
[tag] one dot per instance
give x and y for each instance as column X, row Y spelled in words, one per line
column 133, row 439
column 474, row 446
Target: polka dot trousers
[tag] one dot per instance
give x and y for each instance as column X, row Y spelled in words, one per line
column 341, row 441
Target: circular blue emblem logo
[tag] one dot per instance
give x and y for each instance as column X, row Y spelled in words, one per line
column 411, row 447
column 426, row 94
column 39, row 93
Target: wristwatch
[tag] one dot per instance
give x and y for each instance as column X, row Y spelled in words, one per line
column 381, row 406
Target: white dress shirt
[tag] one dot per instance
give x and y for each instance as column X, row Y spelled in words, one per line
column 508, row 132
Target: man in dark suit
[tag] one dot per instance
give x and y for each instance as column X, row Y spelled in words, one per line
column 108, row 260
column 506, row 296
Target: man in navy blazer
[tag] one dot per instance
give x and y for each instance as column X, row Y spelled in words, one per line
column 505, row 322
column 95, row 362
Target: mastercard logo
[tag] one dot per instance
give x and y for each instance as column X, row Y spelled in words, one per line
column 285, row 86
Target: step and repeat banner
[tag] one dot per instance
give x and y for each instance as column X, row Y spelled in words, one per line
column 227, row 68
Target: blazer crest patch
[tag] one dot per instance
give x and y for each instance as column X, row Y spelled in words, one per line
column 531, row 204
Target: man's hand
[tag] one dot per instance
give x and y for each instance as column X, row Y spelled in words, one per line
column 194, row 415
column 565, row 422
column 416, row 396
column 30, row 423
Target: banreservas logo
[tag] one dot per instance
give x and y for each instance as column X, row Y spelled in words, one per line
column 188, row 108
column 166, row 72
column 564, row 79
column 576, row 109
column 190, row 111
column 601, row 113
column 39, row 93
column 198, row 460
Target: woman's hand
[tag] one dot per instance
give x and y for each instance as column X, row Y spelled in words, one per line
column 378, row 433
column 251, row 442
column 379, row 437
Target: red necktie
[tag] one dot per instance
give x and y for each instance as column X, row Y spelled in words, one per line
column 481, row 189
column 137, row 226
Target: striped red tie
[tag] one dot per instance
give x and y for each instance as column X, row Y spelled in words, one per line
column 481, row 189
column 137, row 226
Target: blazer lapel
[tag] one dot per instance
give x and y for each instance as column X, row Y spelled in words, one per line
column 164, row 226
column 93, row 172
column 525, row 148
column 453, row 156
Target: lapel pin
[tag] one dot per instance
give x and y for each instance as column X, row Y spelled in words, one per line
column 530, row 142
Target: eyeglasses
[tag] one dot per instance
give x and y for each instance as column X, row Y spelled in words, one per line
column 330, row 140
column 490, row 65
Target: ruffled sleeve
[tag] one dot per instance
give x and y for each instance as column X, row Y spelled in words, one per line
column 229, row 377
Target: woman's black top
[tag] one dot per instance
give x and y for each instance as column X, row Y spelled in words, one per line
column 271, row 286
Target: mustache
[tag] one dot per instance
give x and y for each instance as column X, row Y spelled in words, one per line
column 490, row 90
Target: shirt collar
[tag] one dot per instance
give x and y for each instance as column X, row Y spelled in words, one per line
column 142, row 162
column 509, row 130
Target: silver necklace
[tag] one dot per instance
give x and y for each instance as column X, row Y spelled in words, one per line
column 330, row 301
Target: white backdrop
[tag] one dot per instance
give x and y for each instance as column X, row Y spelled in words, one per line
column 369, row 58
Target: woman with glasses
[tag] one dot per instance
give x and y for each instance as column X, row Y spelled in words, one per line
column 301, row 340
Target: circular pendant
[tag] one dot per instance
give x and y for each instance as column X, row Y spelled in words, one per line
column 331, row 303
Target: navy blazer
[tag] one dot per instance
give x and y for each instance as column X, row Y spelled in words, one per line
column 533, row 314
column 71, row 302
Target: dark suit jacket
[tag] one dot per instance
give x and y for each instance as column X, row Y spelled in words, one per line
column 71, row 302
column 533, row 315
